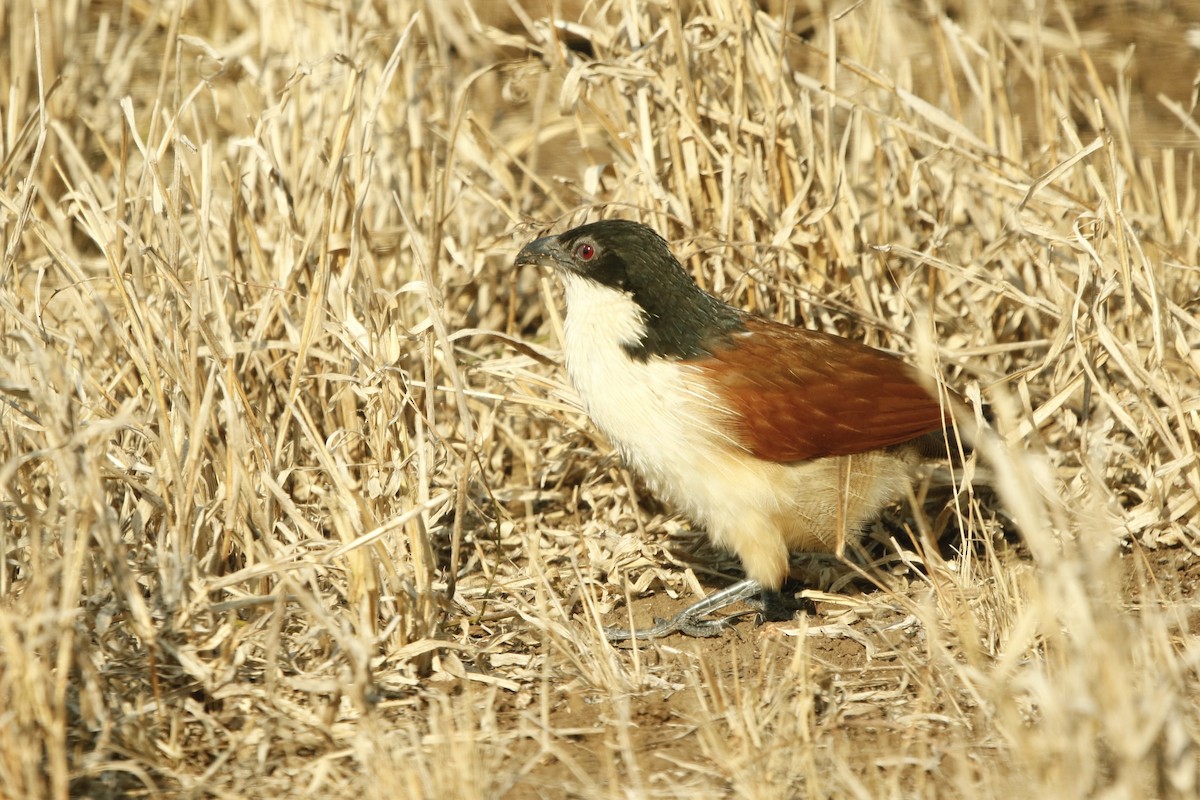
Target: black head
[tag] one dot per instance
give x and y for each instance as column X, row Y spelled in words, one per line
column 681, row 320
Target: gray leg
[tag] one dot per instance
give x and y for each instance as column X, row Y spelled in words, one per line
column 688, row 621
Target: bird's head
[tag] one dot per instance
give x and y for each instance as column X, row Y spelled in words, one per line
column 633, row 261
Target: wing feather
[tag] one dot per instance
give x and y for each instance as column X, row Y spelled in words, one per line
column 801, row 394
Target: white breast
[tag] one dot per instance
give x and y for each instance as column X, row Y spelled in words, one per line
column 646, row 408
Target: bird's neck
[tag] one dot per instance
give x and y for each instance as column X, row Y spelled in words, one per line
column 686, row 324
column 673, row 320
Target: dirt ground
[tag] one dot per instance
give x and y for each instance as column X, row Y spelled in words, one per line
column 857, row 694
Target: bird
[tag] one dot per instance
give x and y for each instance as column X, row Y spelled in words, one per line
column 772, row 438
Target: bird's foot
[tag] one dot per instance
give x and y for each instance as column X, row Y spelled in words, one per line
column 683, row 622
column 775, row 606
column 691, row 621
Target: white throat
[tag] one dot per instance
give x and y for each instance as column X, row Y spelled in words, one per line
column 599, row 316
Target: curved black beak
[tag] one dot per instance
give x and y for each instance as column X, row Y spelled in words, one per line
column 544, row 252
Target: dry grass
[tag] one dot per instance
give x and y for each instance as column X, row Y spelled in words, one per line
column 295, row 499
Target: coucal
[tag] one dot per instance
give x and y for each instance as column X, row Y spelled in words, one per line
column 772, row 438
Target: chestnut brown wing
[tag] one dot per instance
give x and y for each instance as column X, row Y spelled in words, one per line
column 799, row 394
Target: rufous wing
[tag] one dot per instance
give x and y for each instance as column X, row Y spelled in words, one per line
column 797, row 394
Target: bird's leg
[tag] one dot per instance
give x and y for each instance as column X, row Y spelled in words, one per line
column 688, row 621
column 843, row 506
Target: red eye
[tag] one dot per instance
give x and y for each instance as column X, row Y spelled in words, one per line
column 585, row 252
